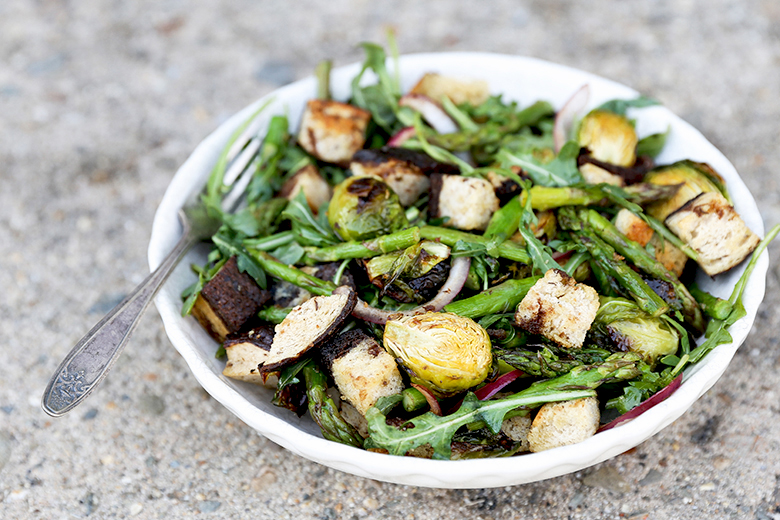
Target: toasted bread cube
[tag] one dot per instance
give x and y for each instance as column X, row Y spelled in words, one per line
column 362, row 370
column 633, row 227
column 564, row 423
column 308, row 180
column 517, row 428
column 246, row 352
column 469, row 202
column 404, row 178
column 669, row 255
column 636, row 229
column 711, row 226
column 596, row 175
column 228, row 301
column 436, row 86
column 558, row 308
column 332, row 131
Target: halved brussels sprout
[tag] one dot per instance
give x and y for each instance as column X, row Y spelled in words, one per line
column 443, row 352
column 693, row 178
column 363, row 208
column 410, row 275
column 610, row 137
column 622, row 324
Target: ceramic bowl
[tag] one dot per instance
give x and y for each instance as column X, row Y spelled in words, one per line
column 516, row 78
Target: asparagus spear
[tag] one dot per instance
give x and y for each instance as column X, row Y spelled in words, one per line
column 545, row 363
column 363, row 249
column 324, row 411
column 438, row 431
column 450, row 237
column 647, row 263
column 290, row 274
column 503, row 297
column 604, row 258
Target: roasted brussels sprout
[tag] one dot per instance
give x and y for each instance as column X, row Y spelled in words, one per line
column 609, row 137
column 363, row 208
column 443, row 352
column 410, row 275
column 621, row 324
column 693, row 179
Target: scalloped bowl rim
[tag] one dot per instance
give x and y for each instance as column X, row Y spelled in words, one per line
column 519, row 78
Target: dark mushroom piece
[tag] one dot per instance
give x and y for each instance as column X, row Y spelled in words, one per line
column 228, row 301
column 307, row 326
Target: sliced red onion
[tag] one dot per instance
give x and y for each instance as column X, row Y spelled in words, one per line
column 491, row 389
column 565, row 116
column 402, row 136
column 431, row 112
column 433, row 403
column 635, row 412
column 455, row 281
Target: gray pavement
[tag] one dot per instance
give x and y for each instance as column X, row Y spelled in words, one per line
column 100, row 101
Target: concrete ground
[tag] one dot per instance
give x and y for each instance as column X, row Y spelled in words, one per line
column 100, row 101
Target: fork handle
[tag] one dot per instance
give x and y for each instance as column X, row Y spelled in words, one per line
column 93, row 356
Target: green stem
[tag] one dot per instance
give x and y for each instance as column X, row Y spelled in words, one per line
column 270, row 242
column 291, row 274
column 324, row 411
column 450, row 237
column 639, row 256
column 504, row 297
column 366, row 249
column 322, row 73
column 715, row 307
column 506, row 220
column 413, row 400
column 273, row 314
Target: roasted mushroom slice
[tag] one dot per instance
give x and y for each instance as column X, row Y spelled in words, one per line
column 711, row 226
column 228, row 301
column 362, row 370
column 246, row 352
column 307, row 326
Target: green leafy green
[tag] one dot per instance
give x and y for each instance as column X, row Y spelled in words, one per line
column 621, row 106
column 561, row 171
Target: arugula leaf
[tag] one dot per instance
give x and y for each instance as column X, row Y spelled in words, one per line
column 621, row 106
column 653, row 144
column 380, row 99
column 309, row 230
column 561, row 171
column 541, row 255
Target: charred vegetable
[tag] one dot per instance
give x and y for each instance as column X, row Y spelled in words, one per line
column 621, row 325
column 363, row 208
column 411, row 275
column 443, row 352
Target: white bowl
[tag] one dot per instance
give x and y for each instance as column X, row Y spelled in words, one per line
column 522, row 79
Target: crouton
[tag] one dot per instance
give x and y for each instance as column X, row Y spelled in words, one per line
column 468, row 202
column 596, row 175
column 307, row 326
column 711, row 226
column 246, row 352
column 316, row 189
column 362, row 370
column 228, row 301
column 517, row 428
column 670, row 256
column 633, row 227
column 405, row 171
column 564, row 423
column 558, row 308
column 332, row 131
column 436, row 86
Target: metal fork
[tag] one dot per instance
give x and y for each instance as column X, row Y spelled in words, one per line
column 92, row 357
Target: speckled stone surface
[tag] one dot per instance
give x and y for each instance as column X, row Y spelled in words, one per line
column 100, row 101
